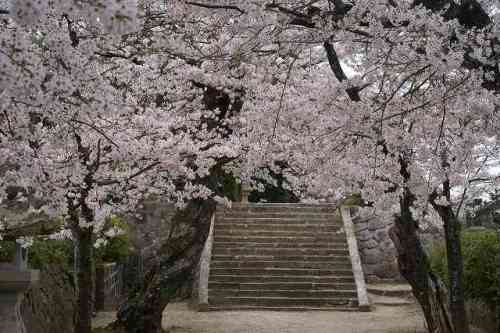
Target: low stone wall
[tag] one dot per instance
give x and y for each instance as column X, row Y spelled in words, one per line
column 49, row 306
column 378, row 254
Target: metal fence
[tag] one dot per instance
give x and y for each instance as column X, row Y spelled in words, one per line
column 115, row 280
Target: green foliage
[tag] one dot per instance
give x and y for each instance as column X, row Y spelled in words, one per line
column 230, row 188
column 271, row 193
column 41, row 253
column 51, row 252
column 438, row 260
column 481, row 253
column 118, row 247
column 353, row 200
column 7, row 250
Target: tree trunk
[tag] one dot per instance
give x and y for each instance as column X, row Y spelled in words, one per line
column 83, row 265
column 452, row 229
column 180, row 255
column 142, row 313
column 414, row 267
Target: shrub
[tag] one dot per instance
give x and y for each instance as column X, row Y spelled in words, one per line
column 41, row 253
column 481, row 254
column 6, row 251
column 51, row 252
column 118, row 247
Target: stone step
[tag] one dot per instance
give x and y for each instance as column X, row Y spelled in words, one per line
column 270, row 214
column 276, row 233
column 281, row 285
column 289, row 244
column 325, row 293
column 282, row 301
column 266, row 278
column 282, row 227
column 253, row 207
column 390, row 301
column 281, row 264
column 278, row 251
column 276, row 220
column 256, row 271
column 279, row 308
column 281, row 257
column 390, row 289
column 274, row 239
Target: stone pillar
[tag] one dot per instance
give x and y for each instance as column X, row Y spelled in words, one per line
column 245, row 192
column 15, row 279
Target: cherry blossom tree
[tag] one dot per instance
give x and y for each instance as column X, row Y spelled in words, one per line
column 94, row 119
column 417, row 118
column 156, row 98
column 418, row 122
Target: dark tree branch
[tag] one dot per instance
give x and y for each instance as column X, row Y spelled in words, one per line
column 282, row 97
column 299, row 18
column 287, row 10
column 333, row 59
column 216, row 6
column 111, row 55
column 132, row 176
column 98, row 130
column 341, row 8
column 72, row 32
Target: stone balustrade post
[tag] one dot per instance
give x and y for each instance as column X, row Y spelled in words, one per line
column 245, row 192
column 15, row 279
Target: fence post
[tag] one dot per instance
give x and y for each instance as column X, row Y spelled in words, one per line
column 99, row 287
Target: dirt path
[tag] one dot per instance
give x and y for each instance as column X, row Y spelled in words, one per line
column 178, row 318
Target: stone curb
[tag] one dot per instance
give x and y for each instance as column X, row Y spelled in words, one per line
column 364, row 303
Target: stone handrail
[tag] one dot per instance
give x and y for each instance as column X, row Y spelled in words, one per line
column 359, row 278
column 204, row 269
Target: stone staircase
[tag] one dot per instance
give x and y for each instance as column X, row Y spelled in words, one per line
column 280, row 257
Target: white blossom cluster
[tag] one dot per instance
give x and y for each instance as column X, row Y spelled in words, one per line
column 106, row 102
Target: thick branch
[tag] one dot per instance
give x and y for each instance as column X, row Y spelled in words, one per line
column 73, row 36
column 132, row 176
column 111, row 55
column 334, row 62
column 216, row 6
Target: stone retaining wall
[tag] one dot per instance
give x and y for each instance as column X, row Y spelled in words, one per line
column 378, row 254
column 151, row 226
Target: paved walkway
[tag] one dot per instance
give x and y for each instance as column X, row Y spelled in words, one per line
column 178, row 318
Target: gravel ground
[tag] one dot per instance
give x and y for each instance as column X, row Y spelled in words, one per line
column 178, row 318
column 103, row 319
